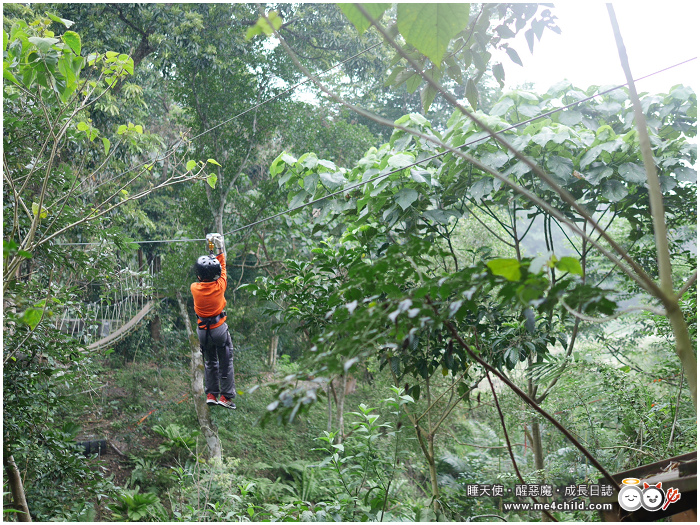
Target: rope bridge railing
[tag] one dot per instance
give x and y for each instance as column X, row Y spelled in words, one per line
column 129, row 298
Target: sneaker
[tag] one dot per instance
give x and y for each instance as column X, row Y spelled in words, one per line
column 211, row 399
column 226, row 402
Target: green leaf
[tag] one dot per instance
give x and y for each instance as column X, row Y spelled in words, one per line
column 569, row 264
column 405, row 197
column 4, row 40
column 499, row 73
column 6, row 74
column 360, row 21
column 684, row 174
column 561, row 167
column 570, row 117
column 212, row 161
column 63, row 21
column 508, row 268
column 83, row 126
column 472, row 93
column 332, row 180
column 430, row 27
column 252, row 32
column 614, row 190
column 106, row 144
column 121, row 129
column 298, row 199
column 427, row 95
column 211, row 180
column 73, row 40
column 633, row 173
column 413, row 82
column 43, row 44
column 35, row 210
column 513, row 54
column 263, row 26
column 31, row 317
column 190, row 165
column 481, row 188
column 402, row 160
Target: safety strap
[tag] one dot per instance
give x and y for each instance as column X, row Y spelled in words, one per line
column 205, row 324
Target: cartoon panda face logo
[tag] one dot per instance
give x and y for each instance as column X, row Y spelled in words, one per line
column 630, row 498
column 652, row 497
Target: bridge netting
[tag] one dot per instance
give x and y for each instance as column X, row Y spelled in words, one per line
column 120, row 304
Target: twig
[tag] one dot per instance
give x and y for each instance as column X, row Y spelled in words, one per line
column 687, row 285
column 114, row 447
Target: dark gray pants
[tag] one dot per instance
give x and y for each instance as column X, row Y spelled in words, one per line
column 217, row 351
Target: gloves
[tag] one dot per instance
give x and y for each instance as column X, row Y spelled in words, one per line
column 218, row 241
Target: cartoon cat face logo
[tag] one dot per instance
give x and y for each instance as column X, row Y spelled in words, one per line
column 652, row 497
column 630, row 498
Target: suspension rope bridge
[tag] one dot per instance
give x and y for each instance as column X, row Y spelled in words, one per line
column 106, row 321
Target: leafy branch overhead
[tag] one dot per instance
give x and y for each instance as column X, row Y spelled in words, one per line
column 455, row 41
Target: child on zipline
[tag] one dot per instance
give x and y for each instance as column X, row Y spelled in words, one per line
column 212, row 330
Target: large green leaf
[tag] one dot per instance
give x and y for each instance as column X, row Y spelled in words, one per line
column 401, row 160
column 31, row 317
column 633, row 173
column 73, row 40
column 262, row 26
column 405, row 197
column 63, row 21
column 508, row 268
column 614, row 190
column 332, row 180
column 430, row 27
column 481, row 188
column 684, row 174
column 359, row 20
column 427, row 95
column 43, row 44
column 561, row 167
column 472, row 93
column 569, row 264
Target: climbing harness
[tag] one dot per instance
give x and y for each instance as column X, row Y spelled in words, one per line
column 205, row 323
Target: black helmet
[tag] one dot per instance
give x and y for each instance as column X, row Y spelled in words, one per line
column 208, row 268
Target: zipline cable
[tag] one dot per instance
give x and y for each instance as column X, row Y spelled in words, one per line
column 422, row 161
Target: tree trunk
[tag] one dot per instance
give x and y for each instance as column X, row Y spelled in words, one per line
column 330, row 406
column 684, row 350
column 538, row 451
column 16, row 487
column 274, row 341
column 200, row 403
column 433, row 474
column 341, row 409
column 155, row 333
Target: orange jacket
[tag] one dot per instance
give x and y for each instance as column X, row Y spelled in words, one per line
column 209, row 300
